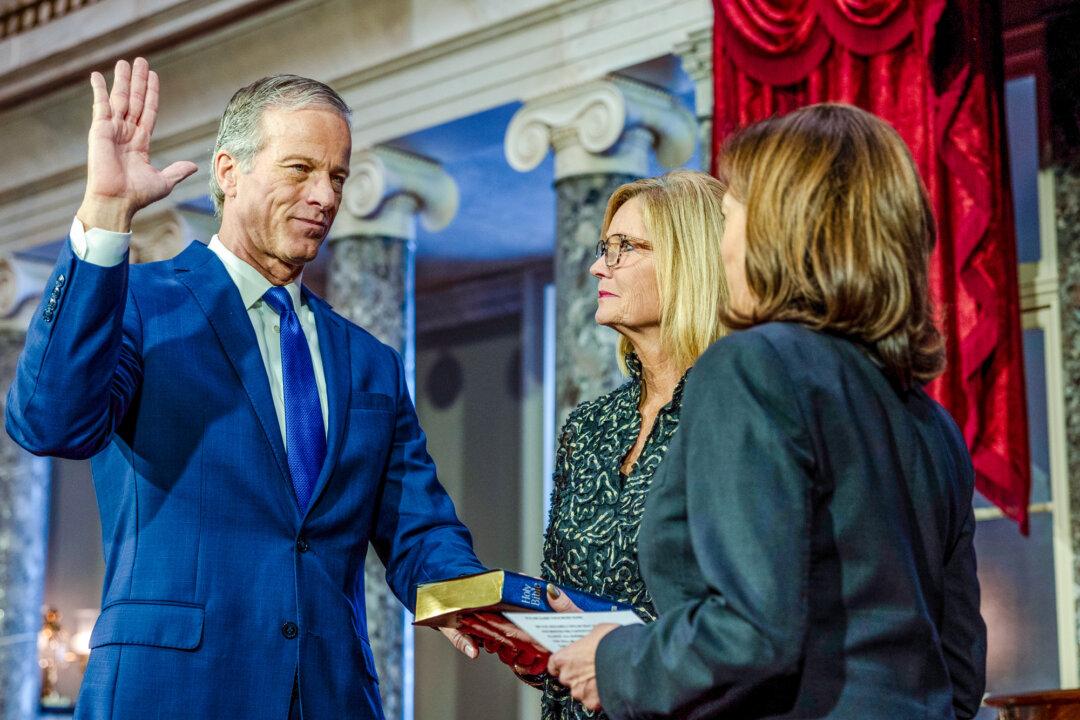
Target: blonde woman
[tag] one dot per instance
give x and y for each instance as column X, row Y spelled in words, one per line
column 808, row 540
column 660, row 285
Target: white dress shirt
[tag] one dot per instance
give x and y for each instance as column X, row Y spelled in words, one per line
column 106, row 248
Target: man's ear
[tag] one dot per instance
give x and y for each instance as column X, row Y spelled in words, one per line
column 225, row 171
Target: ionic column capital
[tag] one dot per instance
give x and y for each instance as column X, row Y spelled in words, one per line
column 388, row 189
column 165, row 233
column 605, row 126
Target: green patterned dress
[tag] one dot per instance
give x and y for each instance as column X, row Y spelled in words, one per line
column 591, row 541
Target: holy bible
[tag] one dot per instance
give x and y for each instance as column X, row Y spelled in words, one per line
column 439, row 604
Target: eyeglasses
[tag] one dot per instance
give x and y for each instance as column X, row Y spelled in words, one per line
column 614, row 247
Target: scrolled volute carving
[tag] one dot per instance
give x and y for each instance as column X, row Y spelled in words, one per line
column 673, row 126
column 380, row 174
column 587, row 124
column 593, row 115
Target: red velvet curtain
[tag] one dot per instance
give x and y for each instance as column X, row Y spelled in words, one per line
column 932, row 69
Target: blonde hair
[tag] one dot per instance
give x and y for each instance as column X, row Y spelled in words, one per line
column 681, row 212
column 839, row 233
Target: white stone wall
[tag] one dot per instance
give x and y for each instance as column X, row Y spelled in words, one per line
column 403, row 65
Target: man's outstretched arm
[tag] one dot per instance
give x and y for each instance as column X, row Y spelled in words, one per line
column 80, row 366
column 120, row 180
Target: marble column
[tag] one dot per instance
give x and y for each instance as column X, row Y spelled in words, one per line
column 585, row 364
column 24, row 511
column 1067, row 205
column 602, row 134
column 696, row 53
column 371, row 282
column 1059, row 81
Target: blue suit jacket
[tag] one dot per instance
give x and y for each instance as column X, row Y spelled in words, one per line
column 218, row 591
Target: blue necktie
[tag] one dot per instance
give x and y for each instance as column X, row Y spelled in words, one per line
column 304, row 434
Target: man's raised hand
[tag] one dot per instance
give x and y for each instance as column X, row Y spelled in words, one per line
column 120, row 179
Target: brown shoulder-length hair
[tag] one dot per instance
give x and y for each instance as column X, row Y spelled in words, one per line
column 839, row 233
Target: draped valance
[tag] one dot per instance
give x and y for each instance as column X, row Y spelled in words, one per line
column 782, row 41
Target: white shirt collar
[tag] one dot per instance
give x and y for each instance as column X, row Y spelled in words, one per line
column 249, row 281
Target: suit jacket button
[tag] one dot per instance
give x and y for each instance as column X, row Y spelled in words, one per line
column 302, row 545
column 289, row 630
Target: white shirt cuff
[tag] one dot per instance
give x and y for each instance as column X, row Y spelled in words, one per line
column 98, row 247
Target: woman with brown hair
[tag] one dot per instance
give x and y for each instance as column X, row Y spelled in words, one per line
column 808, row 539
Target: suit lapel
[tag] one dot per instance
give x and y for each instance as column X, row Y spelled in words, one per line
column 334, row 348
column 204, row 275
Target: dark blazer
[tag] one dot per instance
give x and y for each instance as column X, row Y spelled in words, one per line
column 218, row 591
column 808, row 544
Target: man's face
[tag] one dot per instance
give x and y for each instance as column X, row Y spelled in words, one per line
column 286, row 202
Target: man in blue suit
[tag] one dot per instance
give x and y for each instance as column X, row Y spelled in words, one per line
column 247, row 442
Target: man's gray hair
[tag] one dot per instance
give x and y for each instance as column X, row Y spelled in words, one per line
column 240, row 133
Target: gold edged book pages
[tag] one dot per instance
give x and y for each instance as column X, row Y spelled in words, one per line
column 438, row 604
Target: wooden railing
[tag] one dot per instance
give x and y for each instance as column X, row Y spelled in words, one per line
column 19, row 16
